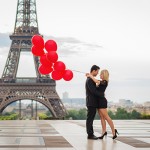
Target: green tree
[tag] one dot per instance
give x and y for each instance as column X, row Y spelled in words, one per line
column 111, row 114
column 97, row 117
column 145, row 116
column 121, row 114
column 135, row 114
column 7, row 113
column 48, row 113
column 42, row 116
column 72, row 114
column 82, row 113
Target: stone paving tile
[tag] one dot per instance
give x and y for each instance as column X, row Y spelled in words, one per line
column 48, row 131
column 134, row 142
column 144, row 139
column 9, row 141
column 32, row 148
column 31, row 141
column 8, row 148
column 61, row 149
column 71, row 135
column 57, row 141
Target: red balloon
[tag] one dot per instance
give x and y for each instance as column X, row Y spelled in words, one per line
column 37, row 51
column 52, row 56
column 57, row 75
column 38, row 41
column 59, row 66
column 45, row 62
column 68, row 75
column 51, row 45
column 45, row 70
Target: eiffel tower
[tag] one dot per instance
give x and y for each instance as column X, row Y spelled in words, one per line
column 40, row 89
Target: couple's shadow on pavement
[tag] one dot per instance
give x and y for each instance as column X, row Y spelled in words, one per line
column 104, row 144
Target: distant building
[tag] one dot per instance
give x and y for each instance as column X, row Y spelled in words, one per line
column 74, row 103
column 27, row 111
column 25, row 107
column 65, row 95
column 11, row 107
column 147, row 104
column 125, row 103
column 142, row 109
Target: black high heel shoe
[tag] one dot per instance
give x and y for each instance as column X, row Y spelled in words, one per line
column 101, row 137
column 115, row 136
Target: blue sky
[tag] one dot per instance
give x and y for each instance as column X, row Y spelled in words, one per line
column 112, row 34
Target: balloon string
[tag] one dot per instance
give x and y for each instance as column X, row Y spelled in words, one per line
column 78, row 71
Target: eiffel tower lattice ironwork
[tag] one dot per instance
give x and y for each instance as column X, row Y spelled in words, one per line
column 41, row 88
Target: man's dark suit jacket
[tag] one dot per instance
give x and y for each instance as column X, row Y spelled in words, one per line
column 92, row 93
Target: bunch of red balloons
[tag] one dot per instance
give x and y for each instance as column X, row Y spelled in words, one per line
column 49, row 59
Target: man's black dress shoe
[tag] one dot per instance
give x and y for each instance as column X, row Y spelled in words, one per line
column 92, row 137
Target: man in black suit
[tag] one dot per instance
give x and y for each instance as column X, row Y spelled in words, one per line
column 91, row 102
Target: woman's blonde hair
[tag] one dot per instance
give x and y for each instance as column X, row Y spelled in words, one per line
column 105, row 74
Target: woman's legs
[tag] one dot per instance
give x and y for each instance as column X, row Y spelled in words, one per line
column 103, row 122
column 103, row 111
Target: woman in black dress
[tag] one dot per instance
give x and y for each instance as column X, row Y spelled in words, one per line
column 102, row 103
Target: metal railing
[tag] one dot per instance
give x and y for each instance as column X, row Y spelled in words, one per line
column 27, row 80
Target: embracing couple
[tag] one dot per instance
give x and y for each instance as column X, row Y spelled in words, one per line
column 95, row 100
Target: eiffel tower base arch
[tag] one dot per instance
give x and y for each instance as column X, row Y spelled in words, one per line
column 44, row 93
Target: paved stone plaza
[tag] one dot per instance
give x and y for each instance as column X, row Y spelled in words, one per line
column 71, row 135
